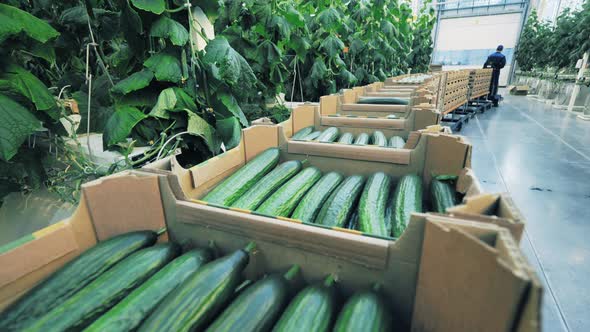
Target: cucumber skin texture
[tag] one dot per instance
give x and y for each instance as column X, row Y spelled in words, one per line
column 442, row 195
column 353, row 223
column 191, row 305
column 256, row 308
column 364, row 311
column 128, row 314
column 283, row 201
column 379, row 139
column 329, row 135
column 314, row 135
column 234, row 186
column 342, row 202
column 311, row 310
column 302, row 133
column 346, row 138
column 106, row 291
column 373, row 203
column 267, row 185
column 309, row 207
column 72, row 277
column 396, row 142
column 362, row 139
column 407, row 199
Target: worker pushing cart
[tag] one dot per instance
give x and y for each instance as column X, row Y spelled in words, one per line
column 496, row 61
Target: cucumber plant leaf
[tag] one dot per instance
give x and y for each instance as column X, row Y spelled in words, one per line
column 166, row 67
column 332, row 45
column 16, row 125
column 120, row 125
column 14, row 21
column 230, row 131
column 154, row 6
column 135, row 81
column 166, row 27
column 229, row 66
column 21, row 81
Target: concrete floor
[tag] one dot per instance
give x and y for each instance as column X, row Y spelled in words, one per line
column 541, row 156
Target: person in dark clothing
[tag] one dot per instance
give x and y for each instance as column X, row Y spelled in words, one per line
column 496, row 61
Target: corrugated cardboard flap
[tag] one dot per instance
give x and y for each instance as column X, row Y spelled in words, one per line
column 347, row 151
column 471, row 281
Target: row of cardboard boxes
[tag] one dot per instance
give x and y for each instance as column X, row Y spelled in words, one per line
column 479, row 82
column 424, row 272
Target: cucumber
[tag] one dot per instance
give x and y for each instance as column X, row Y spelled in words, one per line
column 407, row 199
column 106, row 291
column 233, row 187
column 346, row 138
column 192, row 305
column 268, row 185
column 443, row 195
column 310, row 205
column 389, row 214
column 257, row 307
column 302, row 133
column 364, row 311
column 373, row 203
column 283, row 201
column 128, row 314
column 396, row 142
column 342, row 202
column 329, row 135
column 312, row 309
column 312, row 136
column 362, row 139
column 72, row 277
column 353, row 223
column 379, row 139
column 383, row 100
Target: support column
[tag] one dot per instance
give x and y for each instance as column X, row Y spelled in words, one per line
column 576, row 91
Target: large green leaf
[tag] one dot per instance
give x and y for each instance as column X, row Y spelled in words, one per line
column 171, row 99
column 99, row 115
column 300, row 45
column 332, row 45
column 294, row 17
column 21, row 81
column 168, row 28
column 329, row 18
column 136, row 81
column 16, row 125
column 132, row 28
column 230, row 66
column 228, row 106
column 199, row 127
column 78, row 15
column 230, row 131
column 14, row 21
column 318, row 71
column 166, row 67
column 44, row 51
column 120, row 124
column 269, row 54
column 154, row 6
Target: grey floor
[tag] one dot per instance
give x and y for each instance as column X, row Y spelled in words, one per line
column 541, row 156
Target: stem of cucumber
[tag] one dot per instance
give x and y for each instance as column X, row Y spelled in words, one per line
column 330, row 280
column 293, row 271
column 250, row 247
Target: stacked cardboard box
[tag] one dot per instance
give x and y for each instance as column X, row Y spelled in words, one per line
column 456, row 89
column 479, row 82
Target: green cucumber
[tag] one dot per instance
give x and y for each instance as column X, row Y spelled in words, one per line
column 389, row 214
column 312, row 309
column 268, row 185
column 364, row 311
column 346, row 138
column 234, row 186
column 283, row 201
column 312, row 136
column 443, row 195
column 106, row 291
column 302, row 133
column 192, row 305
column 396, row 142
column 310, row 205
column 379, row 139
column 72, row 277
column 257, row 307
column 373, row 203
column 362, row 139
column 383, row 100
column 128, row 314
column 329, row 135
column 353, row 223
column 339, row 206
column 407, row 200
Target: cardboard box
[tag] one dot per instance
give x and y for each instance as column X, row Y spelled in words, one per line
column 430, row 154
column 441, row 275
